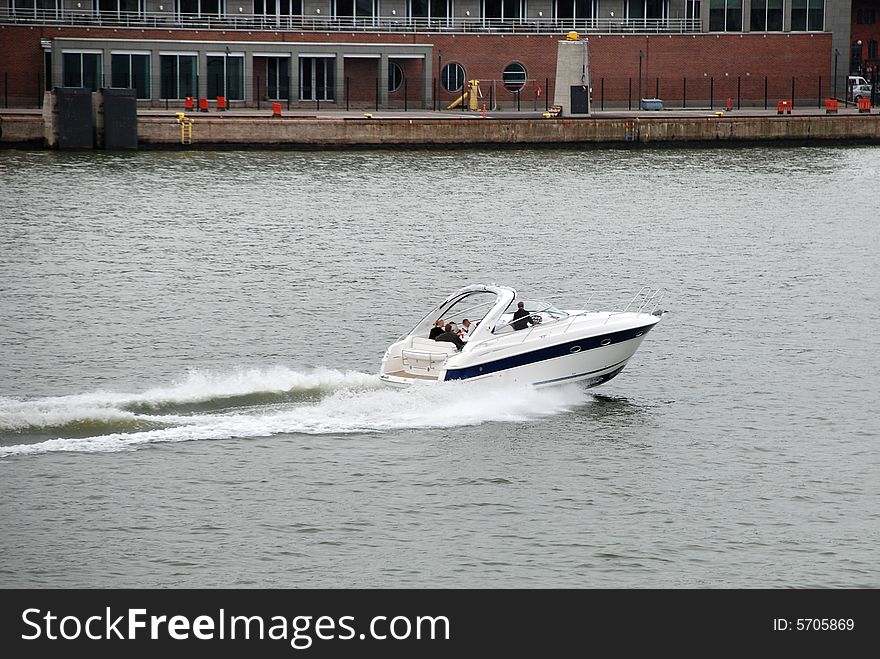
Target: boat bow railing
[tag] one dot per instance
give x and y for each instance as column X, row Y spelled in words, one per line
column 647, row 300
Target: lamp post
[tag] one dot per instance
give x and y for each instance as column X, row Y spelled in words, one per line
column 641, row 54
column 836, row 55
column 861, row 67
column 439, row 77
column 226, row 76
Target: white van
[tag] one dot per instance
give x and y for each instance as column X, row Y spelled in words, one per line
column 852, row 82
column 861, row 91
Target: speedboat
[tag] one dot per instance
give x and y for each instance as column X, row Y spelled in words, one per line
column 548, row 346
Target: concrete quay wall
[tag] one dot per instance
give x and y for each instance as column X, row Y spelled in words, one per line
column 160, row 131
column 342, row 132
column 22, row 130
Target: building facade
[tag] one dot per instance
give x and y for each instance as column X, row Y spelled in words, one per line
column 863, row 51
column 422, row 53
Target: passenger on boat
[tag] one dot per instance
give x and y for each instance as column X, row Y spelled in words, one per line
column 437, row 330
column 466, row 327
column 449, row 335
column 521, row 317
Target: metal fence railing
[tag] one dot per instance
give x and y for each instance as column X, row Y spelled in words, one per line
column 721, row 92
column 62, row 16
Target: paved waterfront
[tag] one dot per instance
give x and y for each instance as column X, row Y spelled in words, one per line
column 400, row 113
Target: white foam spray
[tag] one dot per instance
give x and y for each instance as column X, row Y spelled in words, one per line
column 351, row 403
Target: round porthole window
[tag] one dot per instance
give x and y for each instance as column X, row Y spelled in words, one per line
column 395, row 76
column 514, row 77
column 452, row 77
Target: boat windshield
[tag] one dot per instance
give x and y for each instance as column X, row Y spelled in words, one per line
column 534, row 306
column 472, row 306
column 545, row 310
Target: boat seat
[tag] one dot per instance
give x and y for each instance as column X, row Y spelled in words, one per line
column 433, row 346
column 427, row 354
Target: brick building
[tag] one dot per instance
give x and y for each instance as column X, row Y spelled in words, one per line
column 421, row 53
column 863, row 53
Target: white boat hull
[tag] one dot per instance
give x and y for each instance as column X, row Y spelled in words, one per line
column 587, row 359
column 558, row 347
column 591, row 367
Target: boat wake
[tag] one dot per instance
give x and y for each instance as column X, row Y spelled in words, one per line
column 262, row 403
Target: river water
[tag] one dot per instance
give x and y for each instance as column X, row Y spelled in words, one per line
column 190, row 342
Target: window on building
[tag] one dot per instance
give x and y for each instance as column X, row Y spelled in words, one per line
column 692, row 9
column 131, row 71
column 452, row 77
column 872, row 49
column 798, row 14
column 119, row 8
column 395, row 76
column 807, row 15
column 355, row 8
column 278, row 8
column 278, row 78
column 317, row 78
column 200, row 7
column 177, row 75
column 82, row 69
column 514, row 76
column 31, row 7
column 725, row 15
column 766, row 16
column 647, row 9
column 571, row 11
column 226, row 76
column 24, row 7
column 436, row 9
column 816, row 15
column 504, row 10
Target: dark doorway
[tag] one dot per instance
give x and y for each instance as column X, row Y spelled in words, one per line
column 580, row 103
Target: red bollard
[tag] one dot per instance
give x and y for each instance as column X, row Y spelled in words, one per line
column 729, row 104
column 203, row 104
column 484, row 110
column 276, row 109
column 221, row 103
column 189, row 105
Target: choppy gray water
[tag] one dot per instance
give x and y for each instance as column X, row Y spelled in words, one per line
column 190, row 341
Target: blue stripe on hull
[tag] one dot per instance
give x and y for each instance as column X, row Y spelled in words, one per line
column 543, row 354
column 602, row 378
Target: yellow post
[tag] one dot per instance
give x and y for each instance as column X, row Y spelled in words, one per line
column 470, row 94
column 473, row 93
column 185, row 128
